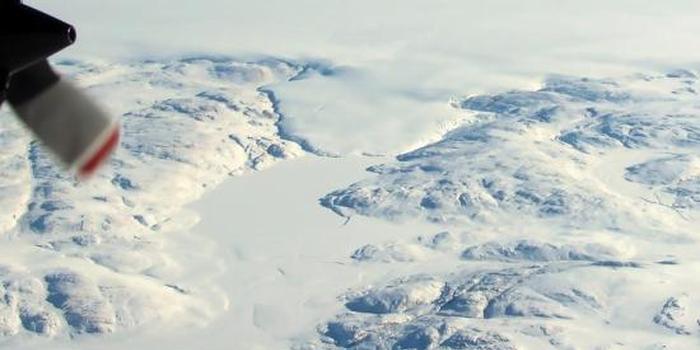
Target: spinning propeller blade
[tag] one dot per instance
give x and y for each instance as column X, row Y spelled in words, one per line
column 64, row 119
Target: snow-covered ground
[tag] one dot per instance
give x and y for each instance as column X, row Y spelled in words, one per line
column 103, row 259
column 569, row 211
column 366, row 175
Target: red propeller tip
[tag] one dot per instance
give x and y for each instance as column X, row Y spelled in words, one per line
column 101, row 155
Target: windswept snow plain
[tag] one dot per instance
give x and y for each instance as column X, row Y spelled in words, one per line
column 561, row 217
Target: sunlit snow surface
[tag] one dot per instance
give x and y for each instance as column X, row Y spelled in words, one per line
column 573, row 214
column 564, row 217
column 91, row 257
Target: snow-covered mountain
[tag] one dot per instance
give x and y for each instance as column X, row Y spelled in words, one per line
column 561, row 217
column 93, row 257
column 571, row 215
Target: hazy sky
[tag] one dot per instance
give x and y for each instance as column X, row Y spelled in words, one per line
column 505, row 31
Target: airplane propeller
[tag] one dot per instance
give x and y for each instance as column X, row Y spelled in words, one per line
column 66, row 121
